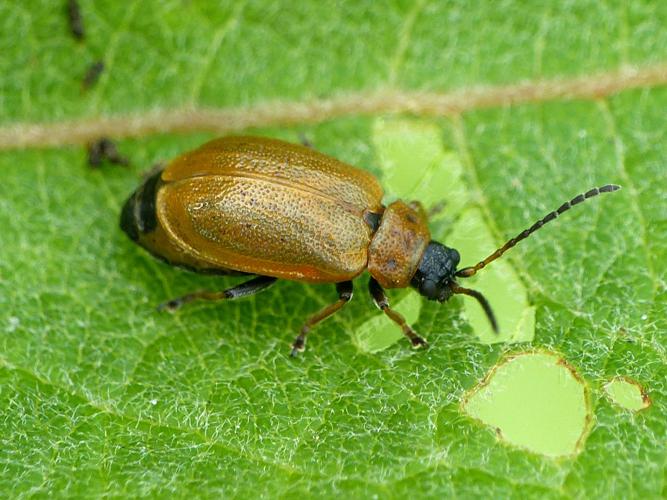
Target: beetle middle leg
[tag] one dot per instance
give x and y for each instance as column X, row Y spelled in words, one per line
column 380, row 299
column 344, row 290
column 246, row 288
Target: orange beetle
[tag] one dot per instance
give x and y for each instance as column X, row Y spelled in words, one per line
column 264, row 207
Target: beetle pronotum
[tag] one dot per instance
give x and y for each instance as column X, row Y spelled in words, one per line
column 275, row 210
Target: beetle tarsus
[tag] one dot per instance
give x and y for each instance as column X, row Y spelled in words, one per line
column 171, row 305
column 419, row 342
column 175, row 304
column 298, row 346
column 246, row 288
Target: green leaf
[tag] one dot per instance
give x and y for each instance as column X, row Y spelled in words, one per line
column 102, row 395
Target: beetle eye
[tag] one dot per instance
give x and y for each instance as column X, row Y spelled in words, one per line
column 429, row 288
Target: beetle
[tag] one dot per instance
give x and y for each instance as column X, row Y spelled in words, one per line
column 276, row 210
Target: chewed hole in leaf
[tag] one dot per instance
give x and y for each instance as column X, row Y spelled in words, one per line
column 535, row 401
column 416, row 166
column 627, row 394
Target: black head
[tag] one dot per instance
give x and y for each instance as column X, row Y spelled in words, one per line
column 436, row 271
column 436, row 276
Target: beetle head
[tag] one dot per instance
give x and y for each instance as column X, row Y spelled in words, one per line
column 436, row 271
column 435, row 278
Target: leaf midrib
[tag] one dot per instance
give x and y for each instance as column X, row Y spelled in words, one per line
column 266, row 114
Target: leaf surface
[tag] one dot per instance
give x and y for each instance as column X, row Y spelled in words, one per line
column 102, row 395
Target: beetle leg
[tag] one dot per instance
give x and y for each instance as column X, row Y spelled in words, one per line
column 344, row 290
column 250, row 287
column 382, row 302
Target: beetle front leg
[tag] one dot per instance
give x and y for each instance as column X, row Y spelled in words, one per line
column 344, row 290
column 250, row 287
column 382, row 302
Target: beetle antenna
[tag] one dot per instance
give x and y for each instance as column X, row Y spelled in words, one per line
column 466, row 272
column 482, row 301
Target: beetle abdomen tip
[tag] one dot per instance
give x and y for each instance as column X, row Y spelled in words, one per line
column 127, row 221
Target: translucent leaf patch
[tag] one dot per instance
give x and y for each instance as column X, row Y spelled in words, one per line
column 499, row 283
column 627, row 394
column 535, row 401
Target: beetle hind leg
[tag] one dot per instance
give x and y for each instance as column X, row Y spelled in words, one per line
column 244, row 289
column 380, row 299
column 344, row 290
